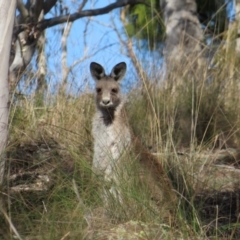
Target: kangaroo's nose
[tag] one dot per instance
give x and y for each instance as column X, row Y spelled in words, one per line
column 105, row 101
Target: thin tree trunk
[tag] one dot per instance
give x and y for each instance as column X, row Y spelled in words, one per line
column 42, row 67
column 7, row 13
column 238, row 27
column 184, row 35
column 42, row 70
column 65, row 69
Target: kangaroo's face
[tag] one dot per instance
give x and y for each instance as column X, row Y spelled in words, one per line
column 108, row 94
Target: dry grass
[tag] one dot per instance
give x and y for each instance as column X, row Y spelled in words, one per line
column 183, row 121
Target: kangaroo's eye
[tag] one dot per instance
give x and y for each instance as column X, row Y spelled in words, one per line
column 114, row 90
column 98, row 90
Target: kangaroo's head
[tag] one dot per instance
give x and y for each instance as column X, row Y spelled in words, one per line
column 108, row 92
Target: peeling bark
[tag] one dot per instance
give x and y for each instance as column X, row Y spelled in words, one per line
column 24, row 50
column 7, row 12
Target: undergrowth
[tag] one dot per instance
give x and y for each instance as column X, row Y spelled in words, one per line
column 198, row 113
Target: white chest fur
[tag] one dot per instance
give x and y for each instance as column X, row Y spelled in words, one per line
column 110, row 143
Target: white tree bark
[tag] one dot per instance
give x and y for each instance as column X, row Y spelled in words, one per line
column 42, row 65
column 184, row 35
column 65, row 68
column 7, row 13
column 237, row 2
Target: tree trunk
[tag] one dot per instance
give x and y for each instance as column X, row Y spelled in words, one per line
column 65, row 69
column 238, row 27
column 7, row 13
column 42, row 67
column 26, row 42
column 184, row 35
column 42, row 71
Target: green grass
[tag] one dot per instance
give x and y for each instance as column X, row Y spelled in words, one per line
column 192, row 116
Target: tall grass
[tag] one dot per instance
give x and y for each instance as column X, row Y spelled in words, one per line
column 177, row 122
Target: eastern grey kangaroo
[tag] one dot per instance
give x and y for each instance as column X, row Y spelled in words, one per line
column 112, row 135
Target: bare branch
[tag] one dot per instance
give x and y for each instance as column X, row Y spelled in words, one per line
column 72, row 17
column 89, row 56
column 48, row 5
column 34, row 7
column 130, row 52
column 82, row 5
column 31, row 30
column 141, row 73
column 95, row 12
column 22, row 9
column 85, row 32
column 69, row 69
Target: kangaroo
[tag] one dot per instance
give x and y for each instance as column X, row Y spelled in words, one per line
column 112, row 135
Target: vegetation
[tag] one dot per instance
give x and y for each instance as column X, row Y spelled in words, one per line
column 190, row 122
column 146, row 24
column 185, row 123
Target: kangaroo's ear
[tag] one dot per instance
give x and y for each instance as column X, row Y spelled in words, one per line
column 118, row 71
column 97, row 71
